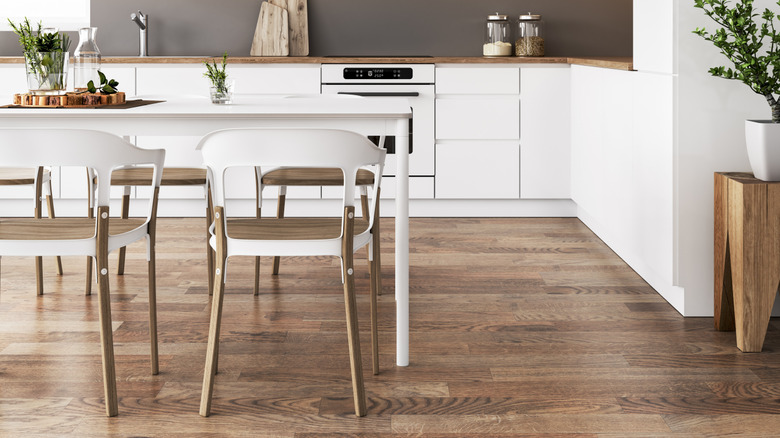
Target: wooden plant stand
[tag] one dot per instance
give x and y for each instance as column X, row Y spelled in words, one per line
column 69, row 100
column 747, row 255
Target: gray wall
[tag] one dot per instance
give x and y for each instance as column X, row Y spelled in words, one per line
column 356, row 27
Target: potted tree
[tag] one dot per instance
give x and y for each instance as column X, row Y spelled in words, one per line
column 752, row 45
column 45, row 57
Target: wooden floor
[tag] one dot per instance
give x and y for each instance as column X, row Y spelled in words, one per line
column 520, row 327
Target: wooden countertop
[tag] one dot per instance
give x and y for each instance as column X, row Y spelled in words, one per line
column 619, row 63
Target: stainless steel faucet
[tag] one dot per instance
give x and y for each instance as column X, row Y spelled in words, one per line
column 143, row 23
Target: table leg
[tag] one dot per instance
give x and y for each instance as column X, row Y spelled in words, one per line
column 753, row 232
column 402, row 243
column 724, row 293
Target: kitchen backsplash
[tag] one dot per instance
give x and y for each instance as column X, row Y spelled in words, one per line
column 356, row 27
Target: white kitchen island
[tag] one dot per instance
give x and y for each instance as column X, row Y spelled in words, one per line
column 198, row 116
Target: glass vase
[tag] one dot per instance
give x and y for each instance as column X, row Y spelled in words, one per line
column 222, row 94
column 86, row 60
column 47, row 72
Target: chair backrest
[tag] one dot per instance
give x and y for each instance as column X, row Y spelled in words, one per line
column 97, row 150
column 290, row 147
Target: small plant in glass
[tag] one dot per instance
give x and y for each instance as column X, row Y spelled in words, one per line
column 221, row 89
column 45, row 57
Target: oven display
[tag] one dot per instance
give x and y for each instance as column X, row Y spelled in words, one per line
column 377, row 73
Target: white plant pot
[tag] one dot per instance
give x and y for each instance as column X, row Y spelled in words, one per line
column 763, row 147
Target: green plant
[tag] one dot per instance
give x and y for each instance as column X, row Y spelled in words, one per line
column 37, row 41
column 741, row 39
column 107, row 86
column 43, row 54
column 217, row 75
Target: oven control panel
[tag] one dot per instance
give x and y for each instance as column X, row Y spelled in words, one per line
column 369, row 73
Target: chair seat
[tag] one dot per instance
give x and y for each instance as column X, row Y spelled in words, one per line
column 172, row 176
column 313, row 177
column 290, row 228
column 13, row 176
column 61, row 228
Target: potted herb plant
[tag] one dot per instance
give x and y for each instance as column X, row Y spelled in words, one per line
column 221, row 89
column 45, row 57
column 752, row 45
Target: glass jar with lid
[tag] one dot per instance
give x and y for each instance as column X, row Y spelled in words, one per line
column 498, row 40
column 530, row 35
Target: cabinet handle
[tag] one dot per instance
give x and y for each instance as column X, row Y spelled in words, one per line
column 382, row 93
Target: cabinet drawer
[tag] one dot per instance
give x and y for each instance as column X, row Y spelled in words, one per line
column 478, row 80
column 478, row 118
column 248, row 80
column 478, row 170
column 167, row 81
column 276, row 79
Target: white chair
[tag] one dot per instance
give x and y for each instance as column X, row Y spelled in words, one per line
column 338, row 236
column 296, row 177
column 142, row 176
column 40, row 179
column 89, row 236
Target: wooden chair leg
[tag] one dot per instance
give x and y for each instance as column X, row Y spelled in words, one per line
column 153, row 305
column 279, row 214
column 209, row 251
column 50, row 209
column 212, row 349
column 38, row 259
column 364, row 206
column 39, row 274
column 353, row 333
column 90, row 214
column 125, row 213
column 104, row 304
column 88, row 269
column 257, row 264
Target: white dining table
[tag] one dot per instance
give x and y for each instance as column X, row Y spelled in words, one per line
column 194, row 116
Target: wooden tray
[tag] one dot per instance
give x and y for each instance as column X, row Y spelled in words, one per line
column 69, row 100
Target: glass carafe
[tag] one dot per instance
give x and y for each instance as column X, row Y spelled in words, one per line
column 86, row 60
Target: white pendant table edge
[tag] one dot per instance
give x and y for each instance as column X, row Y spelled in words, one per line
column 198, row 116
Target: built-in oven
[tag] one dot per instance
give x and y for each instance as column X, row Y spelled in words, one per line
column 391, row 81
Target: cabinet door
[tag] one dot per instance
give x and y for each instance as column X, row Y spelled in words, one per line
column 172, row 80
column 477, row 170
column 545, row 133
column 472, row 118
column 276, row 79
column 477, row 80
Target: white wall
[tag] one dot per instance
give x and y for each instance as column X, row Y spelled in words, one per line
column 711, row 138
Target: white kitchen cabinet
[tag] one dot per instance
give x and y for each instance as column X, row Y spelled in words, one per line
column 545, row 133
column 471, row 79
column 471, row 118
column 12, row 81
column 474, row 170
column 249, row 79
column 477, row 132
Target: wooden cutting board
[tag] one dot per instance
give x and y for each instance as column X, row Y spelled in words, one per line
column 271, row 34
column 298, row 17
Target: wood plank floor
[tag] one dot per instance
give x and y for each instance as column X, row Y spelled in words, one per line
column 520, row 327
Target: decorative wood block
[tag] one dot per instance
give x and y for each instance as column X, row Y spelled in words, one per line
column 747, row 255
column 271, row 33
column 298, row 20
column 69, row 99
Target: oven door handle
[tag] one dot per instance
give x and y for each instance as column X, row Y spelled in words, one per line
column 382, row 93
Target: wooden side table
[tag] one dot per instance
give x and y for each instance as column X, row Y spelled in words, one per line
column 747, row 255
